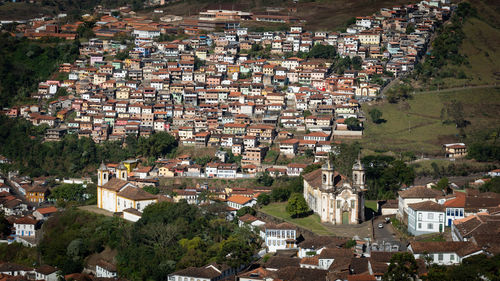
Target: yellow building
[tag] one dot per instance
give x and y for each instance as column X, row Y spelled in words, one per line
column 37, row 194
column 116, row 194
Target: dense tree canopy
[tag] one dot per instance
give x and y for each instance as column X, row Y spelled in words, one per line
column 22, row 142
column 297, row 205
column 172, row 236
column 385, row 176
column 25, row 63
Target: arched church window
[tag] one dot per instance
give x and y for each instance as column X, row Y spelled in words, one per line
column 355, row 177
column 123, row 175
column 324, row 178
column 104, row 176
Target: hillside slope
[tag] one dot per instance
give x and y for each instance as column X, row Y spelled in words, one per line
column 417, row 125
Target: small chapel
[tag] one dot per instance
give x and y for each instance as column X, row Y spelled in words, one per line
column 116, row 194
column 334, row 197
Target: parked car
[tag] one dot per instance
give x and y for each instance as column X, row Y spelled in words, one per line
column 380, row 225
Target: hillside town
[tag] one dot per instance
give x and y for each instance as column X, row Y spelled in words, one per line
column 235, row 101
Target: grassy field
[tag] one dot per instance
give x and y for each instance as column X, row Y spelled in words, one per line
column 480, row 47
column 311, row 222
column 371, row 204
column 416, row 125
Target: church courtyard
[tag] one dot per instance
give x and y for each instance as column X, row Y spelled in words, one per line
column 314, row 224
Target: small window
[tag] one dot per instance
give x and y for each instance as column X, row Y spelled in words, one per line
column 430, row 216
column 452, row 257
column 461, row 213
column 440, row 217
column 447, row 212
column 430, row 226
column 419, row 216
column 338, row 204
column 353, row 204
column 419, row 225
column 440, row 257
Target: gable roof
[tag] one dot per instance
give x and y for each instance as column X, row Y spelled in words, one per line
column 427, row 206
column 419, row 192
column 136, row 194
column 115, row 184
column 458, row 247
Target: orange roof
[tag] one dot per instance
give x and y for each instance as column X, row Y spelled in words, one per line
column 238, row 199
column 47, row 210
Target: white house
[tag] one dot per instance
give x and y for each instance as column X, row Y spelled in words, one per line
column 444, row 253
column 105, row 269
column 414, row 195
column 46, row 272
column 425, row 217
column 14, row 269
column 455, row 208
column 279, row 236
column 238, row 201
column 25, row 227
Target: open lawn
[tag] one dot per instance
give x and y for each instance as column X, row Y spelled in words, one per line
column 311, row 222
column 371, row 204
column 416, row 125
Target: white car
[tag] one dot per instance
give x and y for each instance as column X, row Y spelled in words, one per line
column 380, row 225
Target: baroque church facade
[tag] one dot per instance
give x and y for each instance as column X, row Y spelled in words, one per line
column 116, row 194
column 334, row 197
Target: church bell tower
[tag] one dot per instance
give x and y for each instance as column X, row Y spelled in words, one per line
column 358, row 174
column 102, row 175
column 327, row 176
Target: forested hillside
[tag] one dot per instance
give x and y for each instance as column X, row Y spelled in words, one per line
column 23, row 143
column 24, row 63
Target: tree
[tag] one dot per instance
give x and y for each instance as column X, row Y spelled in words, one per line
column 151, row 189
column 263, row 199
column 322, row 51
column 69, row 192
column 246, row 210
column 353, row 124
column 265, row 179
column 280, row 194
column 376, row 115
column 297, row 205
column 310, row 168
column 402, row 267
column 442, row 184
column 493, row 185
column 306, row 113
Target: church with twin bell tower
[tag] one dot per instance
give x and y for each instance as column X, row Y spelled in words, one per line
column 334, row 197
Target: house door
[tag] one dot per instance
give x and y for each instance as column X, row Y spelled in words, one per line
column 449, row 222
column 440, row 227
column 345, row 218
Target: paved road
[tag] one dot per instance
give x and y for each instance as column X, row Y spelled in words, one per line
column 383, row 234
column 386, row 235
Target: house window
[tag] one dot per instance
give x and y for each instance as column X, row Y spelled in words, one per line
column 440, row 257
column 353, row 203
column 419, row 216
column 452, row 257
column 447, row 212
column 338, row 204
column 429, row 226
column 419, row 225
column 440, row 217
column 430, row 216
column 138, row 206
column 461, row 213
